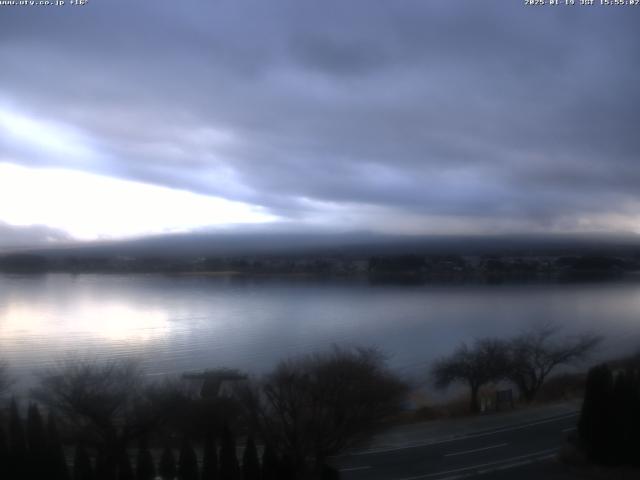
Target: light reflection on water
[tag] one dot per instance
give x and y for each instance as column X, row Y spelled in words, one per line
column 175, row 324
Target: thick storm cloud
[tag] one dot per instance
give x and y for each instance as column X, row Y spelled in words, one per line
column 405, row 116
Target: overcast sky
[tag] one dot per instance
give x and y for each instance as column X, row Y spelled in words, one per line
column 124, row 118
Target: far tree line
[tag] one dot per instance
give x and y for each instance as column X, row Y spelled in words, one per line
column 114, row 424
column 381, row 268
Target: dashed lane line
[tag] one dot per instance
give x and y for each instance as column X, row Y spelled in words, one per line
column 355, row 469
column 475, row 450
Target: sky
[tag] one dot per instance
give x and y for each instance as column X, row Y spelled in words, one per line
column 121, row 118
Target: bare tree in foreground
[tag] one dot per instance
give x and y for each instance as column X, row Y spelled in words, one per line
column 91, row 393
column 111, row 399
column 483, row 362
column 533, row 355
column 102, row 400
column 315, row 406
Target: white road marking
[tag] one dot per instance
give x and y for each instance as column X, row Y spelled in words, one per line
column 476, row 450
column 354, row 469
column 459, row 437
column 499, row 464
column 570, row 429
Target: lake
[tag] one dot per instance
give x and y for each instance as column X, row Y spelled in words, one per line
column 178, row 323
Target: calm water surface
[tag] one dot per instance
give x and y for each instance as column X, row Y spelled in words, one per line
column 175, row 324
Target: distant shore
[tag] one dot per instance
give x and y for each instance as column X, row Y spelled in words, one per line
column 394, row 269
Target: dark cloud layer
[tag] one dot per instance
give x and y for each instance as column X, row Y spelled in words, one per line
column 486, row 114
column 12, row 237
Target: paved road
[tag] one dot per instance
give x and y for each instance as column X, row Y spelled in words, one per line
column 488, row 454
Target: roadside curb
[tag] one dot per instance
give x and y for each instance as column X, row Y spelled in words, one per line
column 507, row 464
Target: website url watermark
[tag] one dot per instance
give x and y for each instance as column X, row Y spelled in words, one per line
column 43, row 3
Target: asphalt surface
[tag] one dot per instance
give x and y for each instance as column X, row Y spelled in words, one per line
column 519, row 451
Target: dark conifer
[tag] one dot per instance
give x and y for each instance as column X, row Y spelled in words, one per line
column 39, row 466
column 106, row 466
column 101, row 469
column 623, row 410
column 229, row 468
column 595, row 423
column 36, row 436
column 4, row 455
column 82, row 468
column 210, row 459
column 145, row 468
column 270, row 464
column 287, row 470
column 125, row 472
column 167, row 468
column 634, row 422
column 56, row 459
column 188, row 462
column 17, row 444
column 250, row 462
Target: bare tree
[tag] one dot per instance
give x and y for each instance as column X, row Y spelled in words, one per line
column 86, row 391
column 105, row 398
column 102, row 400
column 534, row 354
column 318, row 405
column 483, row 362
